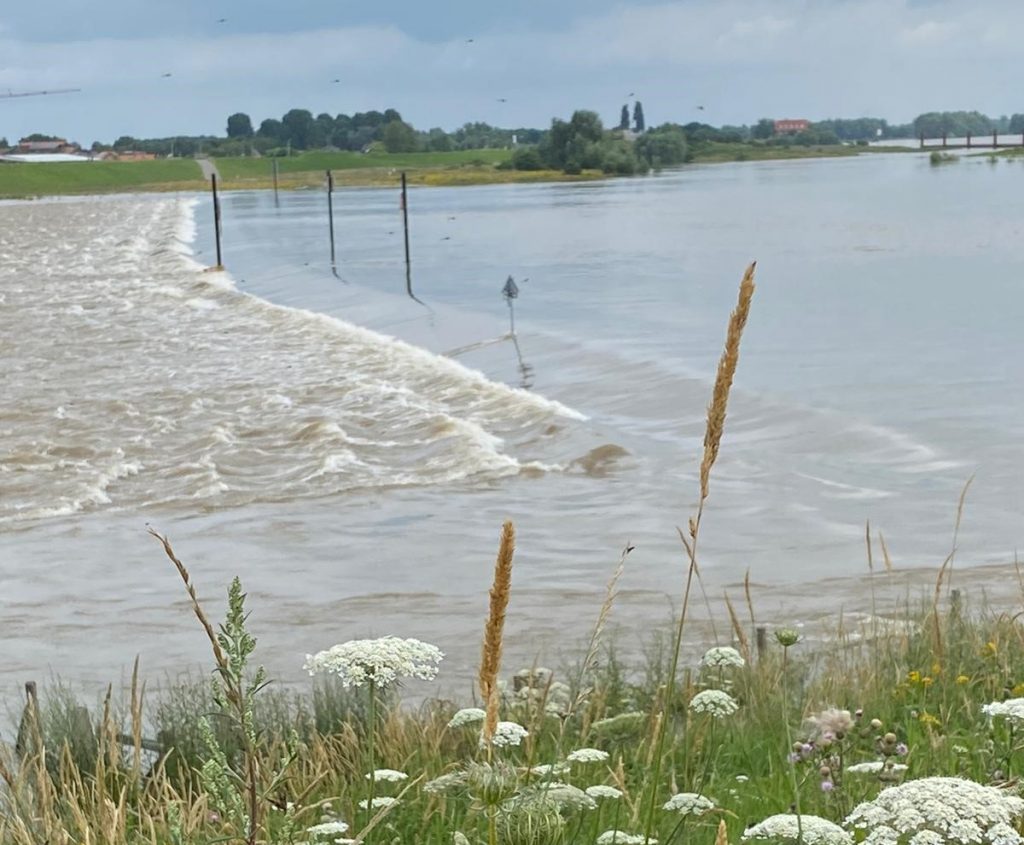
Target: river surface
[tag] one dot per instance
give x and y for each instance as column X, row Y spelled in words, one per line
column 351, row 453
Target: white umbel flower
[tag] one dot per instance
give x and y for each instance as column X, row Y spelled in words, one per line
column 507, row 734
column 618, row 837
column 567, row 795
column 1012, row 709
column 545, row 769
column 689, row 804
column 336, row 827
column 813, row 830
column 387, row 775
column 587, row 755
column 601, row 792
column 379, row 802
column 722, row 656
column 874, row 767
column 467, row 716
column 957, row 810
column 715, row 702
column 382, row 661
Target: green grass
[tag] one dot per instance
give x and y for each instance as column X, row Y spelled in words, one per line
column 23, row 180
column 235, row 169
column 713, row 152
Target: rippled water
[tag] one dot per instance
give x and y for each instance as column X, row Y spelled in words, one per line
column 351, row 453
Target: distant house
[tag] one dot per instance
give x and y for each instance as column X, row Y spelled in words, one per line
column 57, row 146
column 789, row 126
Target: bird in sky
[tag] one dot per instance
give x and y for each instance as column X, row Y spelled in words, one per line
column 502, row 100
column 164, row 75
column 469, row 40
column 700, row 108
column 222, row 20
column 335, row 80
column 631, row 94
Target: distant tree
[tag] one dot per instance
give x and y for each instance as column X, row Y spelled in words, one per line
column 763, row 129
column 36, row 136
column 298, row 126
column 125, row 142
column 663, row 146
column 438, row 141
column 624, row 119
column 272, row 129
column 1016, row 124
column 4, row 145
column 399, row 137
column 638, row 116
column 239, row 126
column 391, row 115
column 527, row 158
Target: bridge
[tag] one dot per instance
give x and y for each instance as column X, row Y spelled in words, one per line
column 971, row 142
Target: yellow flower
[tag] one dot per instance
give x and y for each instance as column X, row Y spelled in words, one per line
column 989, row 649
column 1018, row 690
column 914, row 677
column 936, row 669
column 962, row 679
column 926, row 681
column 927, row 718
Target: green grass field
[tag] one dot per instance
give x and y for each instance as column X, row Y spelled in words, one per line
column 24, row 180
column 259, row 169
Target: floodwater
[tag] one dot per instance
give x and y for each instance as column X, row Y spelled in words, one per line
column 351, row 452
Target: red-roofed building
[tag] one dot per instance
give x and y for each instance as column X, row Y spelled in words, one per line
column 788, row 126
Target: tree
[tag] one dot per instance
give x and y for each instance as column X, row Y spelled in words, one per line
column 399, row 137
column 663, row 146
column 272, row 129
column 239, row 126
column 1016, row 124
column 638, row 116
column 298, row 126
column 624, row 119
column 4, row 145
column 764, row 129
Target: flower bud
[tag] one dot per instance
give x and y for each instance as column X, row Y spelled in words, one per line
column 876, row 724
column 787, row 637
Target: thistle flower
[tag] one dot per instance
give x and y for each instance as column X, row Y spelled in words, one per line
column 954, row 809
column 467, row 716
column 600, row 792
column 832, row 723
column 812, row 830
column 328, row 828
column 587, row 755
column 379, row 802
column 689, row 804
column 386, row 775
column 506, row 734
column 721, row 657
column 618, row 837
column 382, row 661
column 715, row 702
column 1012, row 709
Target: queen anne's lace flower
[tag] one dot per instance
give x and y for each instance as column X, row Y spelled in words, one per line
column 506, row 734
column 874, row 767
column 813, row 830
column 599, row 792
column 379, row 802
column 954, row 809
column 381, row 661
column 587, row 755
column 566, row 795
column 444, row 783
column 618, row 837
column 387, row 775
column 715, row 702
column 328, row 828
column 467, row 716
column 1012, row 708
column 545, row 769
column 689, row 804
column 720, row 657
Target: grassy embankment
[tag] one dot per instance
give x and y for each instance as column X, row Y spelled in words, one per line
column 737, row 737
column 306, row 170
column 19, row 180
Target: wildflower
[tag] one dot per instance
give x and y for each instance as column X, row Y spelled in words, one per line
column 618, row 837
column 832, row 723
column 827, row 786
column 507, row 733
column 625, row 724
column 957, row 810
column 1012, row 709
column 467, row 716
column 545, row 769
column 742, row 778
column 328, row 828
column 962, row 679
column 381, row 661
column 812, row 830
column 927, row 718
column 721, row 657
column 787, row 637
column 600, row 791
column 587, row 755
column 379, row 802
column 566, row 795
column 387, row 775
column 689, row 804
column 873, row 767
column 715, row 702
column 901, row 749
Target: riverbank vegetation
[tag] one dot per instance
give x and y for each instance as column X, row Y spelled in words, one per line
column 902, row 729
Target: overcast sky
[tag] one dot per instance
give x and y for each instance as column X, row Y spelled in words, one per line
column 740, row 59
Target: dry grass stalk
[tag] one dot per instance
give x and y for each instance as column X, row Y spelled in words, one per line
column 723, row 381
column 737, row 628
column 885, row 553
column 722, row 836
column 490, row 659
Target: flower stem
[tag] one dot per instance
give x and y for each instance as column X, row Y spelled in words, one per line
column 789, row 740
column 370, row 749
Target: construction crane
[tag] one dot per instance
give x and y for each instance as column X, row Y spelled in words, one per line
column 11, row 94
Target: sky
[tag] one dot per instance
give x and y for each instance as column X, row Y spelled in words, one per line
column 739, row 59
